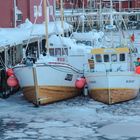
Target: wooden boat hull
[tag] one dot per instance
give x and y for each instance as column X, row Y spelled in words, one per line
column 111, row 96
column 113, row 87
column 45, row 84
column 49, row 94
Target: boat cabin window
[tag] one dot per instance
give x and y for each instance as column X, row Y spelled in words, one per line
column 78, row 41
column 84, row 42
column 64, row 51
column 99, row 40
column 51, row 51
column 88, row 43
column 58, row 52
column 106, row 58
column 98, row 58
column 122, row 57
column 113, row 57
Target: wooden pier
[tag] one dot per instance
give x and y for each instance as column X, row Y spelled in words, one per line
column 96, row 19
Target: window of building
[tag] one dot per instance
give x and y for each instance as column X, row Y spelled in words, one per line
column 51, row 10
column 19, row 17
column 35, row 11
column 39, row 10
column 18, row 14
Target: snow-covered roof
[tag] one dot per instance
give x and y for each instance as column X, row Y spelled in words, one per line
column 89, row 36
column 69, row 43
column 12, row 36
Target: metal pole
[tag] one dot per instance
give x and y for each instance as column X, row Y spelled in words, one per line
column 46, row 25
column 62, row 16
column 100, row 14
column 36, row 102
column 83, row 19
column 120, row 6
column 111, row 16
column 54, row 3
column 15, row 18
column 90, row 5
column 111, row 22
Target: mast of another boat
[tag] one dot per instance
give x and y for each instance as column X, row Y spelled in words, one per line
column 62, row 16
column 100, row 15
column 83, row 18
column 111, row 23
column 36, row 102
column 46, row 25
column 15, row 22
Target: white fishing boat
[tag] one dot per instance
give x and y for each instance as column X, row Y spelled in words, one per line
column 112, row 78
column 92, row 38
column 83, row 36
column 47, row 80
column 71, row 52
column 53, row 78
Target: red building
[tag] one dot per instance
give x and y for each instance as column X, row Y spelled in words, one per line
column 124, row 4
column 14, row 12
column 119, row 4
column 68, row 4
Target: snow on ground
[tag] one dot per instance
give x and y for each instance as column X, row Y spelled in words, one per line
column 80, row 118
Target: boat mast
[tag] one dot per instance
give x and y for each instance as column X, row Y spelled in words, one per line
column 100, row 15
column 111, row 23
column 83, row 18
column 62, row 16
column 111, row 17
column 15, row 20
column 46, row 25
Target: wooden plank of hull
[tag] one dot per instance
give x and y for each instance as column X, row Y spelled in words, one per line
column 50, row 94
column 113, row 95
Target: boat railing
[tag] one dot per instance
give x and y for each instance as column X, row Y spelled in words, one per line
column 101, row 70
column 86, row 67
column 117, row 69
column 105, row 68
column 63, row 65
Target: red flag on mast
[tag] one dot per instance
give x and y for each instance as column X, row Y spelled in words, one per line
column 132, row 37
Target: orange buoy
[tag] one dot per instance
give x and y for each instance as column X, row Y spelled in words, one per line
column 137, row 69
column 10, row 72
column 80, row 83
column 12, row 81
